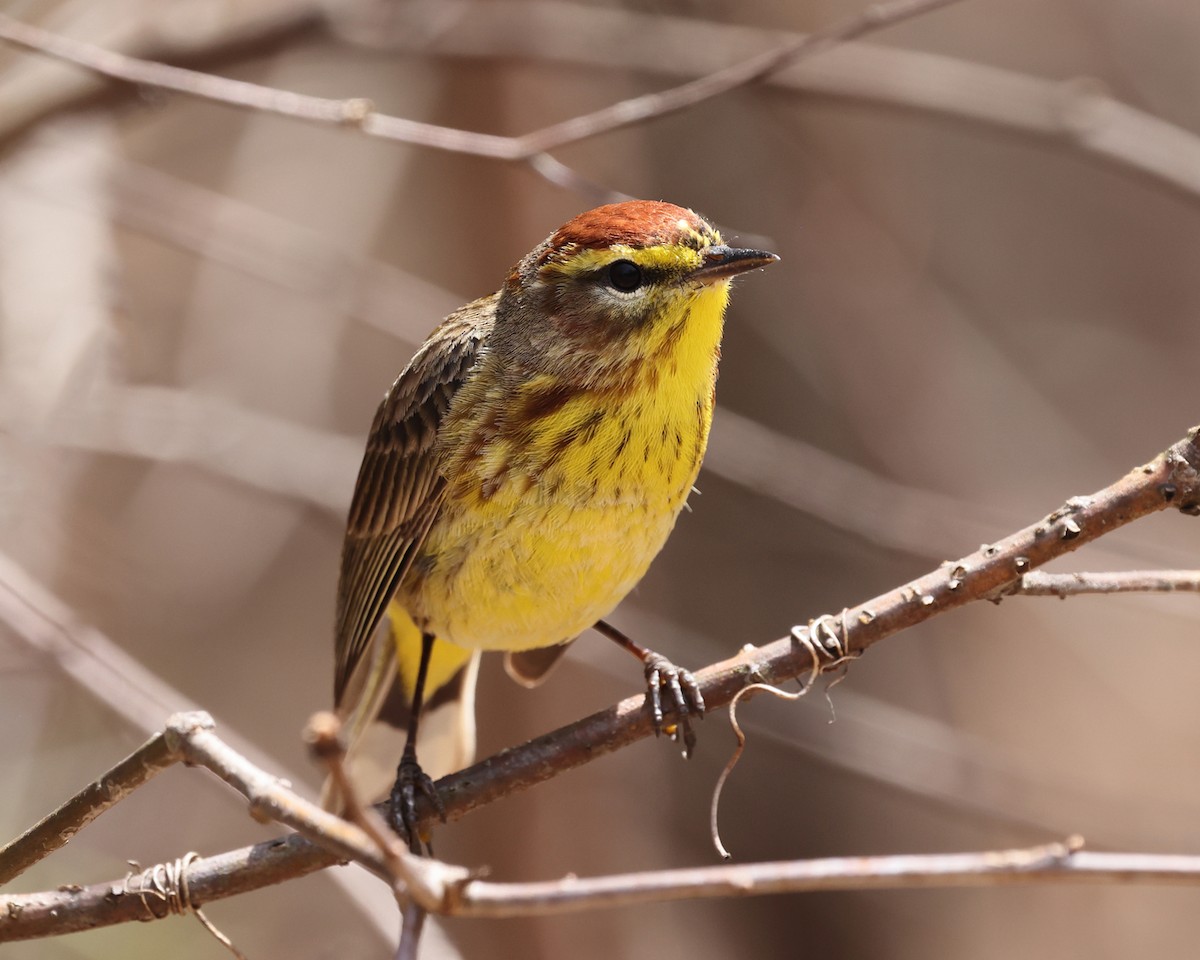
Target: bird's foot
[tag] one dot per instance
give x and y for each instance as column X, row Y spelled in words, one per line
column 411, row 782
column 683, row 699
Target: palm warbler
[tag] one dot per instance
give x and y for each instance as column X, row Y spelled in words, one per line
column 525, row 469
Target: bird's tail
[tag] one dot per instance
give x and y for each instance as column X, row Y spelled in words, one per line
column 376, row 709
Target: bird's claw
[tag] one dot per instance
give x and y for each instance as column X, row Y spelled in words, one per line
column 685, row 699
column 412, row 781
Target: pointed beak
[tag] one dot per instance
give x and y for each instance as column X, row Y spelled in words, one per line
column 721, row 263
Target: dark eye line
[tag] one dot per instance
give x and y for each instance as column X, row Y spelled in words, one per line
column 650, row 276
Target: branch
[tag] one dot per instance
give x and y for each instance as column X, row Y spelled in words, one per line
column 360, row 112
column 1064, row 585
column 189, row 738
column 1047, row 864
column 56, row 829
column 1171, row 480
column 31, row 916
column 141, row 699
column 1076, row 113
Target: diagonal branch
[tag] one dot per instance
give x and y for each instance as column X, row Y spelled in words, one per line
column 1170, row 480
column 360, row 112
column 57, row 828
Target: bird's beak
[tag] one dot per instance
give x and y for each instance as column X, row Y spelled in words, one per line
column 721, row 263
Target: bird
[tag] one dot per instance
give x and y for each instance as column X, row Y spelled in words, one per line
column 521, row 474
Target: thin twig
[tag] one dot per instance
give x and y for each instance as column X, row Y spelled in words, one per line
column 1041, row 584
column 142, row 699
column 413, row 923
column 359, row 112
column 57, row 828
column 714, row 805
column 1075, row 113
column 407, row 873
column 652, row 105
column 30, row 916
column 1053, row 863
column 72, row 908
column 1171, row 480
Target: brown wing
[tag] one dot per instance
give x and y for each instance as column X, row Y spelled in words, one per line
column 400, row 487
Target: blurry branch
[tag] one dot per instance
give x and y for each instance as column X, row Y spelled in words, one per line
column 141, row 699
column 229, row 440
column 532, row 148
column 273, row 249
column 48, row 626
column 1171, row 480
column 359, row 112
column 171, row 425
column 277, row 455
column 31, row 92
column 1074, row 113
column 1064, row 585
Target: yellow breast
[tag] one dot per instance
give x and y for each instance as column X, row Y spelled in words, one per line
column 547, row 527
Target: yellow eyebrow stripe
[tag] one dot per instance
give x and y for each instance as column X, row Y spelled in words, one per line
column 665, row 258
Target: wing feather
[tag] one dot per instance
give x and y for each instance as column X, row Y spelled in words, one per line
column 400, row 487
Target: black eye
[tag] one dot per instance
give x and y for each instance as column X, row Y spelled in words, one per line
column 625, row 275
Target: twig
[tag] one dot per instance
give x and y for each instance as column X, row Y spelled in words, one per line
column 189, row 737
column 71, row 908
column 409, row 874
column 1051, row 863
column 142, row 699
column 56, row 829
column 405, row 870
column 359, row 112
column 413, row 923
column 638, row 109
column 714, row 805
column 1171, row 480
column 1040, row 584
column 29, row 916
column 1074, row 113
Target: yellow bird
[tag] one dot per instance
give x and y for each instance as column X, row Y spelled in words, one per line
column 522, row 473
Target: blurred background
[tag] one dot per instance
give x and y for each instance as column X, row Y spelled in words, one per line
column 987, row 304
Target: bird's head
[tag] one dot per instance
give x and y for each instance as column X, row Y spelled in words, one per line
column 616, row 280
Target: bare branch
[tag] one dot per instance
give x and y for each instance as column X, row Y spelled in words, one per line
column 1171, row 480
column 1048, row 864
column 1040, row 584
column 638, row 109
column 30, row 916
column 1074, row 113
column 142, row 699
column 359, row 112
column 71, row 908
column 56, row 829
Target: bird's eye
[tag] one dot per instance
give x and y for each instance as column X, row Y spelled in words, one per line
column 625, row 275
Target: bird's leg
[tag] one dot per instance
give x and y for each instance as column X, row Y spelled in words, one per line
column 683, row 691
column 410, row 778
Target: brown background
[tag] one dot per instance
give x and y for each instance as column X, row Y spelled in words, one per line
column 200, row 307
